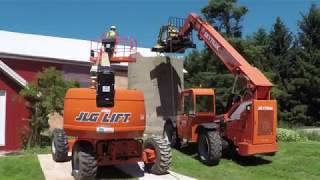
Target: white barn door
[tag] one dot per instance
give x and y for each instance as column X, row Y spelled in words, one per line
column 2, row 117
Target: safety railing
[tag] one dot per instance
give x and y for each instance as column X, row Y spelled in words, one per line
column 178, row 23
column 125, row 50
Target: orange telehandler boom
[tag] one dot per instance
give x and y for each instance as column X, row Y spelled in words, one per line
column 251, row 116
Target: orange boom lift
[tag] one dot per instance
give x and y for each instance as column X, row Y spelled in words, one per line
column 107, row 123
column 250, row 120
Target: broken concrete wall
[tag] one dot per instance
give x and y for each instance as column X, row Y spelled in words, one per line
column 161, row 79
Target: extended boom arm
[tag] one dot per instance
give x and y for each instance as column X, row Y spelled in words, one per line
column 234, row 62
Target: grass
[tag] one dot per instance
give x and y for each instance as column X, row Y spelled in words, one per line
column 20, row 167
column 38, row 150
column 293, row 161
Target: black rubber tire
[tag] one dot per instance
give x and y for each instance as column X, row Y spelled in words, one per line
column 59, row 145
column 163, row 155
column 209, row 147
column 84, row 163
column 170, row 134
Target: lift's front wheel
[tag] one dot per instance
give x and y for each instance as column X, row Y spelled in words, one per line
column 159, row 153
column 59, row 145
column 84, row 164
column 209, row 147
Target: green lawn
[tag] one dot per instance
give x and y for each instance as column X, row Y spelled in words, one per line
column 20, row 167
column 293, row 161
column 24, row 165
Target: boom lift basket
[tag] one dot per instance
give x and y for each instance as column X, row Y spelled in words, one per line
column 125, row 50
column 170, row 39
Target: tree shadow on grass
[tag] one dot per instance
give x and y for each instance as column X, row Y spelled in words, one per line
column 229, row 154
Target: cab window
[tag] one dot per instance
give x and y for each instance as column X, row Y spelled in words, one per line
column 188, row 104
column 204, row 103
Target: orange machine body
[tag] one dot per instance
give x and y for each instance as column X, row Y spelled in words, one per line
column 82, row 118
column 251, row 126
column 250, row 119
column 253, row 131
column 114, row 132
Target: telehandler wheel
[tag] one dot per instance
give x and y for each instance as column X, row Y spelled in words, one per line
column 163, row 155
column 170, row 134
column 59, row 145
column 84, row 164
column 209, row 147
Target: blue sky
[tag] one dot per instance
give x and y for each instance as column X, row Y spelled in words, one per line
column 140, row 19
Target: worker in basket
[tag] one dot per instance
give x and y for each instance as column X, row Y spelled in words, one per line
column 172, row 31
column 110, row 40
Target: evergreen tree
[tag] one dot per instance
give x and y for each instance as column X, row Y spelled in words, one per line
column 291, row 62
column 307, row 77
column 309, row 34
column 281, row 38
column 225, row 16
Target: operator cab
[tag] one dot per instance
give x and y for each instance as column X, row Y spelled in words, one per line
column 196, row 106
column 197, row 102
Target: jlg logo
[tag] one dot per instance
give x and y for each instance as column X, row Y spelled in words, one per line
column 88, row 116
column 116, row 118
column 106, row 117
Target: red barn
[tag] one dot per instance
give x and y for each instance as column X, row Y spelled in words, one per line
column 22, row 56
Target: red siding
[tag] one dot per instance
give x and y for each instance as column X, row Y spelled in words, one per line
column 16, row 111
column 28, row 69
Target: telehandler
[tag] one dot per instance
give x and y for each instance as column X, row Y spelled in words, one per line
column 250, row 119
column 107, row 123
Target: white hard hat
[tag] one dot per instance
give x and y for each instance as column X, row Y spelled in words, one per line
column 113, row 27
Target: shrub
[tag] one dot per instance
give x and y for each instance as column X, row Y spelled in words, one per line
column 45, row 96
column 288, row 135
column 312, row 136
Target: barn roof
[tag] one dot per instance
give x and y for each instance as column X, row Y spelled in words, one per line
column 49, row 47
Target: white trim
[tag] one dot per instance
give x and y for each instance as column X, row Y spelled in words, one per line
column 12, row 74
column 41, row 59
column 3, row 99
column 44, row 46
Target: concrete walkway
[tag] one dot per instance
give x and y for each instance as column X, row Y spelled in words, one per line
column 62, row 171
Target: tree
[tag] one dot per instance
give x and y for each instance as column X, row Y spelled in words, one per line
column 307, row 78
column 281, row 38
column 309, row 34
column 278, row 50
column 206, row 71
column 45, row 96
column 225, row 16
column 291, row 62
